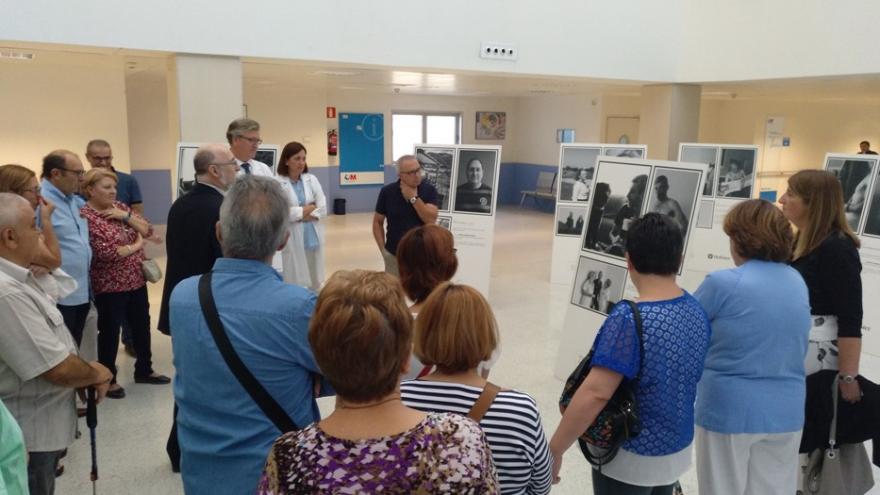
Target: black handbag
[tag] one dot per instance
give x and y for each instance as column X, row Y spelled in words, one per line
column 254, row 388
column 619, row 420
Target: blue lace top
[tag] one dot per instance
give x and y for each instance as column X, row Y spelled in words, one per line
column 676, row 333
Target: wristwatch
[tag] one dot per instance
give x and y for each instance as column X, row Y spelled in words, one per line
column 847, row 378
column 413, row 200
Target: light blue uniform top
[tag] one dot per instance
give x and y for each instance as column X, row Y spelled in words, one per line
column 754, row 377
column 72, row 231
column 224, row 436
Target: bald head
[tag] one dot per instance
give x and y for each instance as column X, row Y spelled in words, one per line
column 215, row 165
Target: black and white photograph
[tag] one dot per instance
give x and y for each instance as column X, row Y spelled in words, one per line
column 267, row 156
column 872, row 223
column 625, row 152
column 445, row 222
column 736, row 176
column 855, row 179
column 437, row 169
column 618, row 199
column 702, row 154
column 598, row 285
column 570, row 220
column 475, row 177
column 706, row 214
column 673, row 193
column 576, row 174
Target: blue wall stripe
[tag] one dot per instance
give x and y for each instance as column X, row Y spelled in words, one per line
column 515, row 177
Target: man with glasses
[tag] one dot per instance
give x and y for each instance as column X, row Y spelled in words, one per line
column 62, row 176
column 191, row 241
column 99, row 154
column 244, row 141
column 405, row 204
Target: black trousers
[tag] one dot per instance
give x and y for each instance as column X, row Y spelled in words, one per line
column 604, row 485
column 41, row 471
column 75, row 320
column 172, row 447
column 114, row 308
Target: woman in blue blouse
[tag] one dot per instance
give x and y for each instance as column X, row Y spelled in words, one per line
column 676, row 336
column 750, row 401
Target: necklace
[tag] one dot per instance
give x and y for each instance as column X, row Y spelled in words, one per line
column 365, row 406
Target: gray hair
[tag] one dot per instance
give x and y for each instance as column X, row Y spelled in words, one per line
column 253, row 218
column 97, row 143
column 403, row 159
column 239, row 126
column 10, row 209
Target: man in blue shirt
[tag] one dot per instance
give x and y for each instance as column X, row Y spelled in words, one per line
column 224, row 435
column 406, row 204
column 62, row 176
column 99, row 154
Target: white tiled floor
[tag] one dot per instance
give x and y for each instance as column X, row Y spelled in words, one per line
column 132, row 431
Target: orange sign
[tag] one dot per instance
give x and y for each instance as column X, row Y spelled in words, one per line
column 331, row 112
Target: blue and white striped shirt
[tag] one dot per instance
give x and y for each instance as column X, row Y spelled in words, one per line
column 512, row 426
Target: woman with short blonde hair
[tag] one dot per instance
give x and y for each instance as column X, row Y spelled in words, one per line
column 455, row 332
column 23, row 181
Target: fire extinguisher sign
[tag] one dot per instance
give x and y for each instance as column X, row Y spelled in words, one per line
column 361, row 148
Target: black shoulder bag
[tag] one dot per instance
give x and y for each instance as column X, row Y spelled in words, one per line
column 619, row 420
column 260, row 395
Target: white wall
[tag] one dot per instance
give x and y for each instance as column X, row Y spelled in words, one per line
column 671, row 41
column 151, row 143
column 564, row 37
column 742, row 40
column 61, row 100
column 541, row 116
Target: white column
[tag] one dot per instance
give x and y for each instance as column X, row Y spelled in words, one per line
column 670, row 115
column 209, row 96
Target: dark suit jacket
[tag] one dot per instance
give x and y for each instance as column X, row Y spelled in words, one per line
column 190, row 241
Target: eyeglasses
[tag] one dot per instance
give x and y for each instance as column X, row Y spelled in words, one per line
column 412, row 172
column 102, row 158
column 79, row 173
column 35, row 190
column 230, row 162
column 256, row 141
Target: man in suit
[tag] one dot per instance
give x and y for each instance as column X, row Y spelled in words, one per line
column 191, row 240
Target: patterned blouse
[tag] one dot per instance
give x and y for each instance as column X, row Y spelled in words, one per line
column 109, row 271
column 445, row 453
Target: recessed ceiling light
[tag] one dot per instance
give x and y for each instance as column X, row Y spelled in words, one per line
column 14, row 55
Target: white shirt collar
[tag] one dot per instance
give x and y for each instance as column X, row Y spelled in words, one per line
column 15, row 271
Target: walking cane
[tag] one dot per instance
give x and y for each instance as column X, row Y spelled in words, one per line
column 92, row 422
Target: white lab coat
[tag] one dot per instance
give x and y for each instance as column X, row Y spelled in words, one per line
column 297, row 266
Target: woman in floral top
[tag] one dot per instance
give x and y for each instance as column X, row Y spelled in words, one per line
column 117, row 238
column 361, row 335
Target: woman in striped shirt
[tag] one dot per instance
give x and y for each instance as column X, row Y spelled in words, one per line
column 455, row 331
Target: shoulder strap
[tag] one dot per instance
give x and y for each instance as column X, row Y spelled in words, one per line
column 637, row 317
column 484, row 401
column 260, row 395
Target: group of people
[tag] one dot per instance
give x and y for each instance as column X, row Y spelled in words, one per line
column 415, row 412
column 595, row 292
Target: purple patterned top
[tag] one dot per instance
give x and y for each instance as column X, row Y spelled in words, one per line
column 444, row 453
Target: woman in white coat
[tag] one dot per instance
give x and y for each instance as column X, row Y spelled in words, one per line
column 303, row 256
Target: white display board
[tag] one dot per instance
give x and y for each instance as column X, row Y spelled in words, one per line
column 731, row 177
column 468, row 193
column 623, row 189
column 577, row 167
column 858, row 176
column 186, row 172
